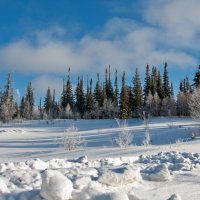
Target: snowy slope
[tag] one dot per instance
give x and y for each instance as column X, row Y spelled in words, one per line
column 137, row 172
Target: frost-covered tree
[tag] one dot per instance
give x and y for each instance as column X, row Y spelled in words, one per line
column 197, row 78
column 8, row 104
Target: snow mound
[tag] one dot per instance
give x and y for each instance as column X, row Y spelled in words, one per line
column 83, row 159
column 37, row 164
column 55, row 186
column 120, row 176
column 158, row 173
column 82, row 182
column 175, row 197
column 112, row 196
column 3, row 186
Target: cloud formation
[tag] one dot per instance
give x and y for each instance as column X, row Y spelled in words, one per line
column 170, row 29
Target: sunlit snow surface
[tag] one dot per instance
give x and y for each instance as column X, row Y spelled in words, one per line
column 171, row 165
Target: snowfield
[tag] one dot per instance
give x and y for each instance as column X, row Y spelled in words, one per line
column 35, row 166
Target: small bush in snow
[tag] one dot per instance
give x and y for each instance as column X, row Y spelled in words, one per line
column 72, row 139
column 126, row 137
column 147, row 139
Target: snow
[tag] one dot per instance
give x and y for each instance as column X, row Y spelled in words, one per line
column 120, row 176
column 112, row 196
column 33, row 162
column 55, row 186
column 175, row 197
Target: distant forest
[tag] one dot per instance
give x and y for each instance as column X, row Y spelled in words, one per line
column 103, row 99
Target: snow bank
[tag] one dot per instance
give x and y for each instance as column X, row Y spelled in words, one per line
column 55, row 186
column 3, row 186
column 59, row 179
column 120, row 176
column 37, row 164
column 158, row 173
column 112, row 196
column 175, row 197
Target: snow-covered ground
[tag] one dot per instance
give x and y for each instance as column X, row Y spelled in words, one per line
column 34, row 163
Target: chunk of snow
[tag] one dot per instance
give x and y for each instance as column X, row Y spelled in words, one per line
column 83, row 159
column 55, row 186
column 160, row 173
column 112, row 196
column 82, row 182
column 120, row 176
column 175, row 197
column 3, row 186
column 37, row 164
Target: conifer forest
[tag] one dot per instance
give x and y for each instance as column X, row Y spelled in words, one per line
column 103, row 99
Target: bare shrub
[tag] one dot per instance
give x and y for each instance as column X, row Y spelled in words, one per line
column 125, row 137
column 72, row 139
column 147, row 138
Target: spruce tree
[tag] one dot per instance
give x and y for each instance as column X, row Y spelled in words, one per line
column 130, row 101
column 166, row 87
column 137, row 93
column 8, row 105
column 80, row 97
column 153, row 82
column 108, row 85
column 98, row 92
column 124, row 110
column 181, row 88
column 147, row 85
column 29, row 101
column 48, row 103
column 197, row 78
column 67, row 95
column 89, row 98
column 160, row 86
column 116, row 91
column 22, row 108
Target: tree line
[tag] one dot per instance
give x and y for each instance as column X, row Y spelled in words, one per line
column 103, row 99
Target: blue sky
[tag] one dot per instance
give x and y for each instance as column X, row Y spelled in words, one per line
column 40, row 39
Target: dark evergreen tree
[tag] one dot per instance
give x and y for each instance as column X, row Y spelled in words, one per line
column 171, row 90
column 116, row 91
column 153, row 81
column 80, row 97
column 108, row 85
column 166, row 87
column 67, row 94
column 181, row 88
column 124, row 110
column 22, row 108
column 130, row 101
column 98, row 92
column 197, row 78
column 89, row 98
column 29, row 101
column 137, row 93
column 147, row 84
column 160, row 86
column 48, row 103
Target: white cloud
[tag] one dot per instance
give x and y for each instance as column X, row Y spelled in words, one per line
column 41, row 84
column 123, row 43
column 178, row 19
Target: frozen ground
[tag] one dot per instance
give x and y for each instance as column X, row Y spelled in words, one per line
column 137, row 172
